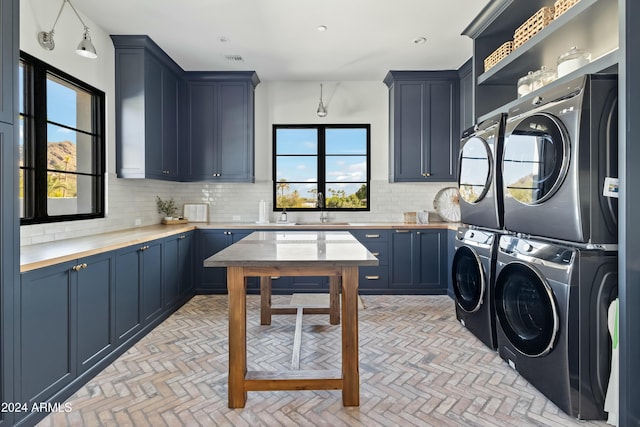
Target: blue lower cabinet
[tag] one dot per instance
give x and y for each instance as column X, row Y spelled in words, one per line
column 151, row 280
column 299, row 284
column 127, row 306
column 177, row 264
column 213, row 280
column 419, row 261
column 375, row 279
column 64, row 325
column 96, row 288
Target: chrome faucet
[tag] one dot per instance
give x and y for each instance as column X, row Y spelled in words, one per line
column 323, row 214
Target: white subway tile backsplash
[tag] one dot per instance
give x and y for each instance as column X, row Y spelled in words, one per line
column 130, row 199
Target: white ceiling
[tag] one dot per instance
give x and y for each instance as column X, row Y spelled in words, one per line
column 280, row 41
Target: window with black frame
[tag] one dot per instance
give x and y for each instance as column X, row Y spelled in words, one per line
column 62, row 149
column 321, row 167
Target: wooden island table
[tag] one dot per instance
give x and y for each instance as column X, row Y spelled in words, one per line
column 293, row 253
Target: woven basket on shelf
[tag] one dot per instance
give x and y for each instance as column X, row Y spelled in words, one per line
column 537, row 22
column 497, row 55
column 561, row 6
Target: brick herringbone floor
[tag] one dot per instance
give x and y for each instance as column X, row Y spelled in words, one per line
column 418, row 367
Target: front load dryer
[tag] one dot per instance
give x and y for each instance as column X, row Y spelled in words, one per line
column 479, row 177
column 551, row 304
column 560, row 163
column 473, row 274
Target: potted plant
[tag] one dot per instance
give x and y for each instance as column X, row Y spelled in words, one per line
column 166, row 207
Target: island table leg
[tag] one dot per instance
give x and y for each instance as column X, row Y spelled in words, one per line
column 350, row 371
column 236, row 284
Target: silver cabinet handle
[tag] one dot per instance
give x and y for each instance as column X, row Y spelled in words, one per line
column 372, row 277
column 376, row 253
column 402, row 231
column 372, row 236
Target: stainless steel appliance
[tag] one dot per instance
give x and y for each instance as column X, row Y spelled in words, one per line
column 472, row 272
column 558, row 153
column 479, row 177
column 551, row 305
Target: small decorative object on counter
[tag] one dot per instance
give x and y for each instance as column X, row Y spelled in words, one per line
column 169, row 209
column 423, row 217
column 572, row 60
column 166, row 207
column 409, row 217
column 447, row 204
column 263, row 216
column 283, row 216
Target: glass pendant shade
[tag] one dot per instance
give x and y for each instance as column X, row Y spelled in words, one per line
column 322, row 110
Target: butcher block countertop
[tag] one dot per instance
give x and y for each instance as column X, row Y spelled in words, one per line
column 51, row 253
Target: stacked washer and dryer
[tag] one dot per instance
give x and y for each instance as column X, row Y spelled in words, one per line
column 556, row 254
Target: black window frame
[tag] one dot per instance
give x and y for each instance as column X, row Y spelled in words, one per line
column 35, row 122
column 322, row 156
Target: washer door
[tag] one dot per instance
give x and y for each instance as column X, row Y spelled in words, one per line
column 536, row 159
column 469, row 282
column 476, row 169
column 526, row 310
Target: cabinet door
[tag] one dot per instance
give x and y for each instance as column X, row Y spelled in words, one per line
column 234, row 133
column 127, row 298
column 431, row 262
column 408, row 135
column 177, row 262
column 170, row 125
column 130, row 113
column 185, row 263
column 153, row 116
column 46, row 360
column 8, row 59
column 171, row 270
column 402, row 259
column 202, row 124
column 442, row 131
column 95, row 337
column 211, row 279
column 374, row 279
column 151, row 280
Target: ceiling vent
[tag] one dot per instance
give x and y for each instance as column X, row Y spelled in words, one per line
column 234, row 58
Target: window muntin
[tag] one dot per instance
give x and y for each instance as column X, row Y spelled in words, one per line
column 328, row 159
column 61, row 145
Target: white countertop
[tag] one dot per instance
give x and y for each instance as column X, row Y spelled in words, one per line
column 293, row 248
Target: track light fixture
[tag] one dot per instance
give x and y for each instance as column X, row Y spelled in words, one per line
column 322, row 111
column 85, row 47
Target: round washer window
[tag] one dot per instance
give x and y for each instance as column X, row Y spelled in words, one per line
column 475, row 170
column 468, row 279
column 526, row 310
column 536, row 159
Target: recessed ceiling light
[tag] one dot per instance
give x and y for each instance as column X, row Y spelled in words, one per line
column 322, row 28
column 419, row 40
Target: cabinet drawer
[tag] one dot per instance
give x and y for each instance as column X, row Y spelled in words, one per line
column 380, row 250
column 370, row 235
column 373, row 277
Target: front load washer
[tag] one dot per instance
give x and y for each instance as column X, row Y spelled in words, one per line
column 551, row 305
column 560, row 152
column 472, row 272
column 479, row 177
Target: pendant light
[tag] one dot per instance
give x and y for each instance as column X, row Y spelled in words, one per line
column 85, row 47
column 322, row 111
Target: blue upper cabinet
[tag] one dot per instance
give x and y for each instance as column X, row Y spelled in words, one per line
column 181, row 126
column 423, row 125
column 8, row 41
column 148, row 107
column 220, row 126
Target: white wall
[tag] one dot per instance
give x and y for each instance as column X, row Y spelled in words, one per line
column 276, row 103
